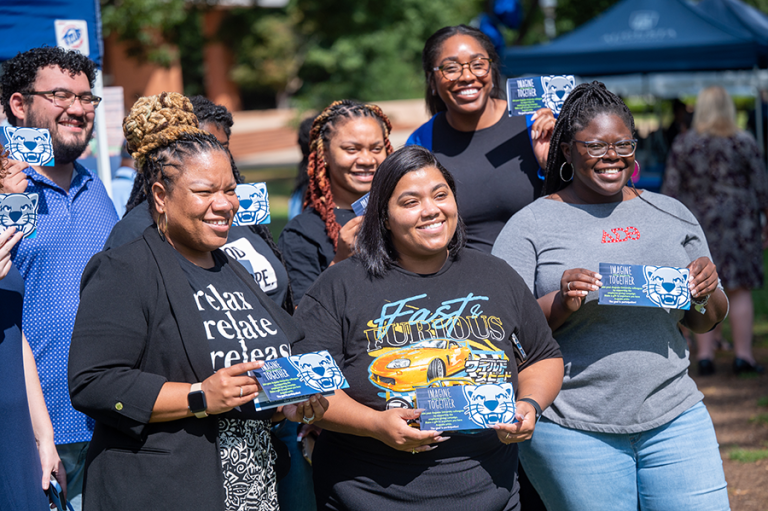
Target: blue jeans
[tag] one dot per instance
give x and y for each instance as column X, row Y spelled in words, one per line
column 673, row 467
column 73, row 458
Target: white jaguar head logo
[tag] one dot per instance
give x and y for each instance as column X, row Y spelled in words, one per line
column 19, row 210
column 490, row 404
column 254, row 204
column 556, row 90
column 318, row 371
column 29, row 145
column 666, row 287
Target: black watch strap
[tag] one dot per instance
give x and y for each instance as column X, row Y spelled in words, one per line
column 533, row 403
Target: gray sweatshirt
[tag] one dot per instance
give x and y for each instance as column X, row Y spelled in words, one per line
column 626, row 368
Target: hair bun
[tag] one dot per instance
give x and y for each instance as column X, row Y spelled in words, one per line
column 158, row 121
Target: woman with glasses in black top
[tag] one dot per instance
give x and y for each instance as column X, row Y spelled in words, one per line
column 492, row 156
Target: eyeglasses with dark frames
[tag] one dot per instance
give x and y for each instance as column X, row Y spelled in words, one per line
column 452, row 71
column 65, row 98
column 598, row 148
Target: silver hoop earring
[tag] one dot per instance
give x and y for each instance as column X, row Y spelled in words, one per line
column 561, row 172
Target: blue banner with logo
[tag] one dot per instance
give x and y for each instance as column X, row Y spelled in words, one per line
column 73, row 24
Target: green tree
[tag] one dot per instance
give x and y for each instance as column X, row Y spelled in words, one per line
column 269, row 51
column 369, row 49
column 148, row 27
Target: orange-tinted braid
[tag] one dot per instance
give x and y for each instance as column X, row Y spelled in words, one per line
column 319, row 194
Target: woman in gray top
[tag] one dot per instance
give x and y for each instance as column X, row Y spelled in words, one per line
column 628, row 430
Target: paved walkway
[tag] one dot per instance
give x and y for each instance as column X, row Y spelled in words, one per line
column 268, row 138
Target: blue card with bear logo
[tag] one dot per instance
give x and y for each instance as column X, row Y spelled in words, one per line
column 293, row 379
column 254, row 204
column 466, row 407
column 526, row 95
column 19, row 210
column 644, row 286
column 30, row 145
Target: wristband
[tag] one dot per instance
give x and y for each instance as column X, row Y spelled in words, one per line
column 534, row 404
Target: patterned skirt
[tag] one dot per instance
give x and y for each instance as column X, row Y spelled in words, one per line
column 248, row 459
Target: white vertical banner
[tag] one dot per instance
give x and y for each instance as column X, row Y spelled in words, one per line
column 102, row 156
column 73, row 35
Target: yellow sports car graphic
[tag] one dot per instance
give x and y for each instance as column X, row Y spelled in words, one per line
column 404, row 369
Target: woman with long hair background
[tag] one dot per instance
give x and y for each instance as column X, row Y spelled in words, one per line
column 717, row 171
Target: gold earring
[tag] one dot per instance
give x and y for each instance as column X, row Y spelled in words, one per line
column 161, row 231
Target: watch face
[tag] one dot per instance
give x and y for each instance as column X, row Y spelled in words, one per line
column 196, row 401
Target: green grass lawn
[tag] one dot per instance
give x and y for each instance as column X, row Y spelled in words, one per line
column 760, row 299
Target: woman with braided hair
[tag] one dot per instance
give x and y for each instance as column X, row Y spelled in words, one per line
column 628, row 430
column 165, row 375
column 348, row 142
column 253, row 245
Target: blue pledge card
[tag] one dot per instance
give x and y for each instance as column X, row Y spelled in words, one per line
column 254, row 204
column 296, row 378
column 30, row 145
column 19, row 210
column 464, row 407
column 644, row 286
column 360, row 204
column 526, row 95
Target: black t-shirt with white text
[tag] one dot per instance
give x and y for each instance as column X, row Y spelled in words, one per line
column 237, row 326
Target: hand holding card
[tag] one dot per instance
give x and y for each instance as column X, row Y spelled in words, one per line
column 645, row 286
column 465, row 407
column 293, row 379
column 526, row 95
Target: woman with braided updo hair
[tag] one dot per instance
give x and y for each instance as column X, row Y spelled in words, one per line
column 348, row 142
column 628, row 430
column 253, row 245
column 168, row 328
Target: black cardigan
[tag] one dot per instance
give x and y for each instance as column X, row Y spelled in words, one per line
column 138, row 327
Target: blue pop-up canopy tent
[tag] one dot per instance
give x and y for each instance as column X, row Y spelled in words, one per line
column 641, row 36
column 741, row 17
column 26, row 24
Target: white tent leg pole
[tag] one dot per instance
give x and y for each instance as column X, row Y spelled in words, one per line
column 105, row 170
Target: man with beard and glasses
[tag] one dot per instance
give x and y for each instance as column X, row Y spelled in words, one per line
column 51, row 88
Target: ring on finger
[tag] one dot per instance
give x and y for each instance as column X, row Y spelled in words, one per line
column 241, row 391
column 414, row 451
column 569, row 286
column 507, row 438
column 307, row 420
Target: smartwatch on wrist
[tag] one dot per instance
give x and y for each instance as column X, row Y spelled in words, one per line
column 196, row 401
column 534, row 404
